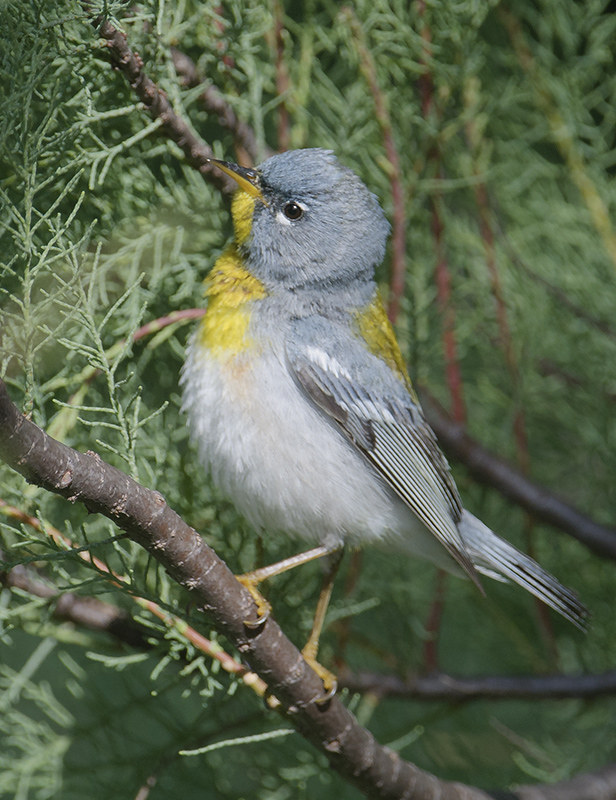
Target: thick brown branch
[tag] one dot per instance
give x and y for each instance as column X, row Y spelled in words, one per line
column 146, row 518
column 448, row 688
column 488, row 469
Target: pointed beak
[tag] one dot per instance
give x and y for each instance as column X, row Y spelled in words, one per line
column 246, row 178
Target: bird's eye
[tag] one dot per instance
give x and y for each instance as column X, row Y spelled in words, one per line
column 293, row 211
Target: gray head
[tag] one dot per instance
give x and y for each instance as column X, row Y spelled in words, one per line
column 314, row 222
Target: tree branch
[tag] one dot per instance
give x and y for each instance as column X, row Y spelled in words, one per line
column 156, row 102
column 145, row 517
column 450, row 688
column 492, row 471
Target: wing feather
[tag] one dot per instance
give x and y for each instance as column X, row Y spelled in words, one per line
column 393, row 435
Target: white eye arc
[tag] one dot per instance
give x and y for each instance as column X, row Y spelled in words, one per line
column 291, row 212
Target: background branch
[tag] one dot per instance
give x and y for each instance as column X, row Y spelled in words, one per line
column 487, row 468
column 157, row 104
column 453, row 688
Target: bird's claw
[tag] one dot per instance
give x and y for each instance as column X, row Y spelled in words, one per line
column 259, row 622
column 329, row 693
column 330, row 682
column 263, row 607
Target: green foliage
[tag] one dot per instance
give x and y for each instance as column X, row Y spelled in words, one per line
column 104, row 228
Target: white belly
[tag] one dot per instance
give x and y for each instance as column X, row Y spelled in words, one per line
column 284, row 465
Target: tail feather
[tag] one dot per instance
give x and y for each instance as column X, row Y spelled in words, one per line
column 498, row 559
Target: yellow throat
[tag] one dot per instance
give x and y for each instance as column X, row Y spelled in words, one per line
column 231, row 290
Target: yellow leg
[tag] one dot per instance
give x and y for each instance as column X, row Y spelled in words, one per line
column 311, row 648
column 251, row 580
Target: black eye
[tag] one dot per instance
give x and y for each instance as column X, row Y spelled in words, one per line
column 293, row 211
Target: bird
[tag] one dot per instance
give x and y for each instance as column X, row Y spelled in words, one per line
column 299, row 400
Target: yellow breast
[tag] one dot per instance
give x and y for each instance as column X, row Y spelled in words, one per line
column 231, row 291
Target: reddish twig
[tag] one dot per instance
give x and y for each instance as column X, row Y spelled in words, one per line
column 433, row 624
column 397, row 280
column 448, row 315
column 282, row 79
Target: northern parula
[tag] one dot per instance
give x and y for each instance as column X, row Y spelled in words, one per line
column 298, row 396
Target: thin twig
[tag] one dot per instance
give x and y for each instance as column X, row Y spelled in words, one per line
column 215, row 103
column 398, row 233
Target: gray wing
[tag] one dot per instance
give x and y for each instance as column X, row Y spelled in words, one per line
column 390, row 430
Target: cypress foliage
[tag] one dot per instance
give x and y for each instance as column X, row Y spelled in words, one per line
column 488, row 133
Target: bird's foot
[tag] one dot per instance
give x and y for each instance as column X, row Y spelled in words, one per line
column 330, row 681
column 264, row 609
